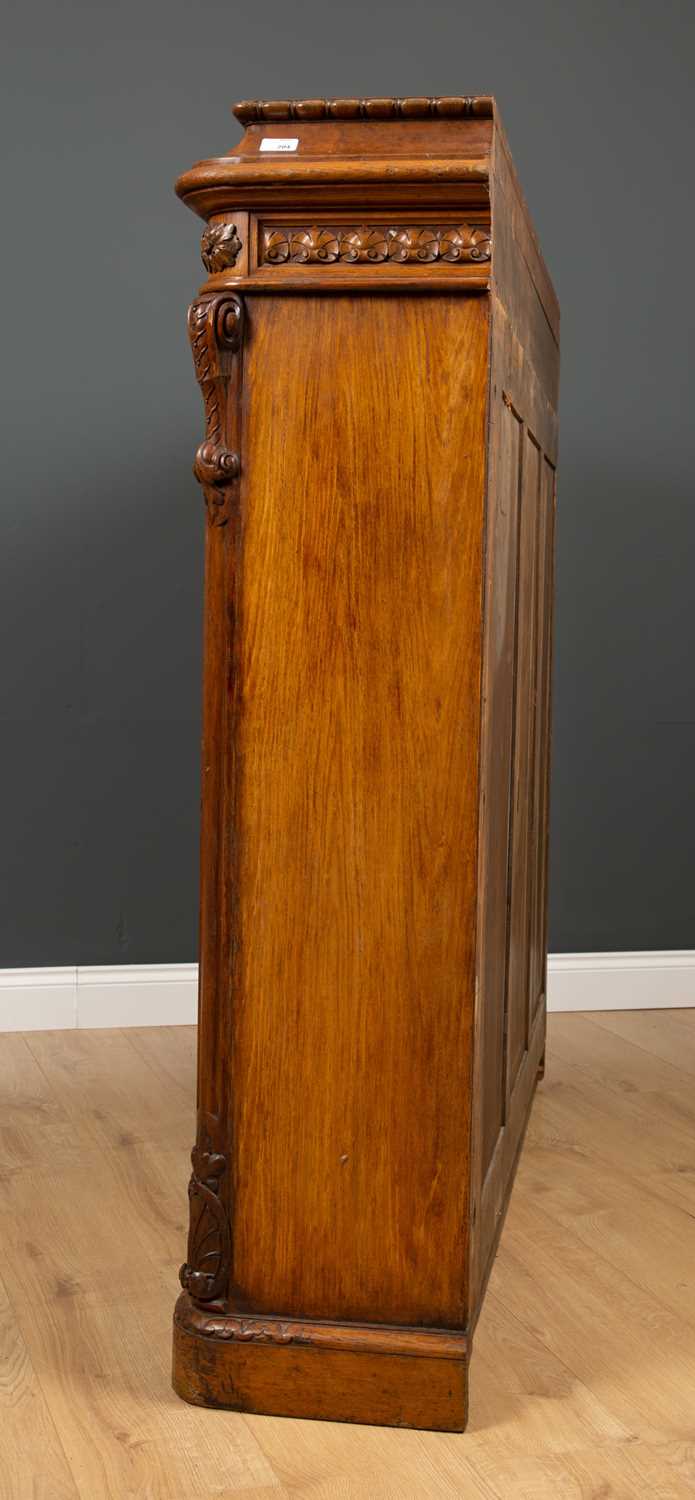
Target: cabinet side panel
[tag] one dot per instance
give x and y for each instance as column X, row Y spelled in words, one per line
column 510, row 1026
column 358, row 729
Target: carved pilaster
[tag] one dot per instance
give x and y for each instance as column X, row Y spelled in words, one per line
column 205, row 1274
column 215, row 327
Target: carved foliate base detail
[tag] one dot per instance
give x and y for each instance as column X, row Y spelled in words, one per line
column 215, row 327
column 205, row 1274
column 374, row 1338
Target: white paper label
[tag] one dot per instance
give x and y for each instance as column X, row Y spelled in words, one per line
column 276, row 143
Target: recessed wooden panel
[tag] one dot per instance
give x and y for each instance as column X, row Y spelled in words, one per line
column 503, row 503
column 539, row 782
column 521, row 855
column 359, row 655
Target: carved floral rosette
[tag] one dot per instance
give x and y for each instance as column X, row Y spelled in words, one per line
column 219, row 247
column 465, row 243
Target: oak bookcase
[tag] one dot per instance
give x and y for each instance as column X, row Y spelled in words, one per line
column 377, row 348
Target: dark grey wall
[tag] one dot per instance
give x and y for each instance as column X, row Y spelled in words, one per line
column 102, row 521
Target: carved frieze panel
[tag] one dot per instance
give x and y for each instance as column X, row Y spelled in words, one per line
column 373, row 244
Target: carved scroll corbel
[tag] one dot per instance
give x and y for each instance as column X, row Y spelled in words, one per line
column 215, row 327
column 205, row 1274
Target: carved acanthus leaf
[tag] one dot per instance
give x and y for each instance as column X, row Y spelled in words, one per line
column 215, row 326
column 253, row 1331
column 205, row 1274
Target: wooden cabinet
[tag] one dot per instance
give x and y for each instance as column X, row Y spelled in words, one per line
column 377, row 348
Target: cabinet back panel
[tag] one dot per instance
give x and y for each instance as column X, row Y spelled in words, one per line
column 358, row 648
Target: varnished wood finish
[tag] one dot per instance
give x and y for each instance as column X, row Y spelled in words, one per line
column 358, row 802
column 379, row 386
column 598, row 1248
column 287, row 1380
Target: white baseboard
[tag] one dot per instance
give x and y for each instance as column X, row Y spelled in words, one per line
column 656, row 980
column 137, row 995
column 98, row 995
column 166, row 994
column 38, row 999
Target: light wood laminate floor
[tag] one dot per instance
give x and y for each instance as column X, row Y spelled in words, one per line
column 583, row 1372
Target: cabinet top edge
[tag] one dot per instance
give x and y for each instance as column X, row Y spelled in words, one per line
column 311, row 171
column 445, row 153
column 439, row 106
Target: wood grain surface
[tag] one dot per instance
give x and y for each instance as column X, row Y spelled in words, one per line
column 358, row 739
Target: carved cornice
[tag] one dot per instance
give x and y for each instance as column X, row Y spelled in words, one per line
column 215, row 327
column 219, row 247
column 324, row 244
column 205, row 1274
column 353, row 1337
column 441, row 107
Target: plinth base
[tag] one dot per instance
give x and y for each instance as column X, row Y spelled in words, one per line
column 332, row 1372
